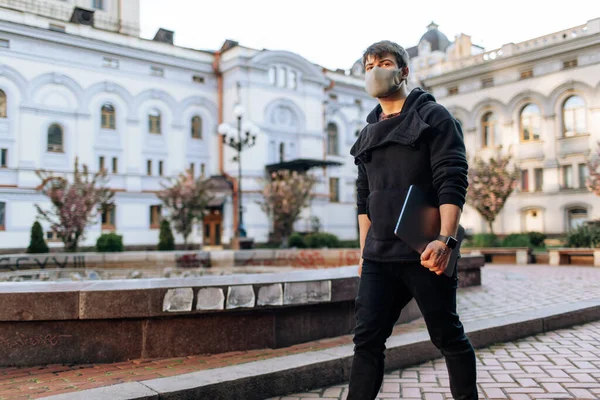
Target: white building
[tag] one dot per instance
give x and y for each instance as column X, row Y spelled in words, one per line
column 145, row 110
column 73, row 84
column 540, row 100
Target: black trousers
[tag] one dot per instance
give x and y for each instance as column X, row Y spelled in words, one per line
column 384, row 290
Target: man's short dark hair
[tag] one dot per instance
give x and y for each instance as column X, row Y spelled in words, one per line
column 385, row 46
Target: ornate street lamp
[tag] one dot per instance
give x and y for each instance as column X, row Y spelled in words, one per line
column 239, row 139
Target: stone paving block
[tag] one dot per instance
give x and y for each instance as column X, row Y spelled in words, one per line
column 210, row 299
column 240, row 297
column 271, row 295
column 307, row 292
column 124, row 391
column 178, row 300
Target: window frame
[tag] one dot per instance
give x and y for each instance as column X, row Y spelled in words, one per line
column 55, row 148
column 108, row 117
column 333, row 142
column 3, row 104
column 565, row 111
column 155, row 122
column 155, row 216
column 196, row 128
column 110, row 216
column 528, row 121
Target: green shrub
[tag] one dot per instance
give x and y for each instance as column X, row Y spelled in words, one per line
column 484, row 240
column 584, row 236
column 37, row 244
column 536, row 239
column 109, row 243
column 321, row 239
column 296, row 240
column 166, row 241
column 517, row 240
column 349, row 244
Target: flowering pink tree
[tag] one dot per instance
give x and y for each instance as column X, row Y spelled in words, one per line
column 490, row 185
column 186, row 200
column 593, row 180
column 75, row 204
column 285, row 196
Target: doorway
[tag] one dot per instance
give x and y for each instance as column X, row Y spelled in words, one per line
column 213, row 227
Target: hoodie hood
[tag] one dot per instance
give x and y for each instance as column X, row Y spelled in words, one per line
column 402, row 129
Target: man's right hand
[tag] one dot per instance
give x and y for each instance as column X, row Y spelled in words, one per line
column 360, row 263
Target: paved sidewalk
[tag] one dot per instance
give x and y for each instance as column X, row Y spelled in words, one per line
column 506, row 290
column 564, row 364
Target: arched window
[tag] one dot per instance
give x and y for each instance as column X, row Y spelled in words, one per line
column 574, row 116
column 576, row 217
column 154, row 123
column 488, row 129
column 281, row 152
column 108, row 116
column 3, row 105
column 196, row 127
column 332, row 138
column 530, row 123
column 55, row 139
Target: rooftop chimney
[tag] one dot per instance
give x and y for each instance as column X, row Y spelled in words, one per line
column 82, row 16
column 164, row 36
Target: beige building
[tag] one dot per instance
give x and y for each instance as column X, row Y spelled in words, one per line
column 538, row 100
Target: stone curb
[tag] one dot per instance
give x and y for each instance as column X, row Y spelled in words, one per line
column 302, row 372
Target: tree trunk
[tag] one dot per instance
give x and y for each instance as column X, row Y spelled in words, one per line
column 490, row 223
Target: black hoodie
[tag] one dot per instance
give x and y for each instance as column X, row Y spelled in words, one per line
column 421, row 146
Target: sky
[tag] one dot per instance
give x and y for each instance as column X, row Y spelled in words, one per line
column 333, row 33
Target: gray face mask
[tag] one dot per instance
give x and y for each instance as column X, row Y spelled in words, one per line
column 382, row 82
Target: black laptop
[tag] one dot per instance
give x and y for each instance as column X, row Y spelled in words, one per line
column 419, row 224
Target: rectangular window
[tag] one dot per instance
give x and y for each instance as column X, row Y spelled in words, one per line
column 198, row 79
column 160, row 168
column 583, row 175
column 155, row 217
column 2, row 216
column 57, row 28
column 567, row 176
column 157, row 71
column 115, row 165
column 569, row 64
column 539, row 179
column 101, row 163
column 108, row 62
column 149, row 167
column 487, row 82
column 202, row 170
column 98, row 4
column 4, row 43
column 525, row 180
column 51, row 236
column 108, row 219
column 4, row 158
column 453, row 91
column 192, row 168
column 527, row 74
column 334, row 190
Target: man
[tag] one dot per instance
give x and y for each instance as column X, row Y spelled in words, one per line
column 409, row 140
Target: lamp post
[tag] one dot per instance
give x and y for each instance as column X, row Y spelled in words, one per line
column 234, row 138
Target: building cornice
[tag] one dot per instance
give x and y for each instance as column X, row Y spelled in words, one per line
column 574, row 45
column 108, row 48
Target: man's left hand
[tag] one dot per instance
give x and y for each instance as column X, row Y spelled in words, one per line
column 436, row 256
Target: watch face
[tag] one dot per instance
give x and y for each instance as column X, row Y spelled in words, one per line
column 451, row 242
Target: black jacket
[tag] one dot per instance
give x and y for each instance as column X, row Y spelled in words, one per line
column 423, row 146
